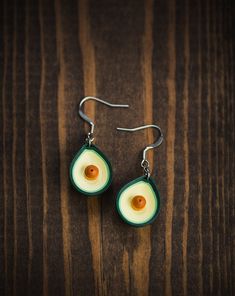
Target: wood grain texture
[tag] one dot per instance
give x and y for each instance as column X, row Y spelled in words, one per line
column 173, row 63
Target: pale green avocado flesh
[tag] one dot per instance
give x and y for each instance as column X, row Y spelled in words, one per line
column 85, row 157
column 148, row 190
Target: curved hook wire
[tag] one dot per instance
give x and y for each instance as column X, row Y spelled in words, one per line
column 151, row 146
column 87, row 119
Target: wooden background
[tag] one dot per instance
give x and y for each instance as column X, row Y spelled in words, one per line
column 173, row 62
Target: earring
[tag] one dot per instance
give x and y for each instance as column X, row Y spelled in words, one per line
column 90, row 170
column 138, row 202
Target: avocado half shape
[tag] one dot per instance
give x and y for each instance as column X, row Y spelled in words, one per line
column 145, row 189
column 90, row 171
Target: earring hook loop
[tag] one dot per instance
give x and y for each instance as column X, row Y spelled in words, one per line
column 88, row 120
column 145, row 162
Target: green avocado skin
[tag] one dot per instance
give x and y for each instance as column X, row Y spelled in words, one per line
column 155, row 189
column 94, row 148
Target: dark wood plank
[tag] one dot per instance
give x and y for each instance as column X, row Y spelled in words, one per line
column 173, row 63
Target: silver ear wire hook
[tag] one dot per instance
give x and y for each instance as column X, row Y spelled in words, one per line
column 145, row 162
column 88, row 120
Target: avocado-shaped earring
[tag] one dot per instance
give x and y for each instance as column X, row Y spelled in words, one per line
column 90, row 170
column 138, row 202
